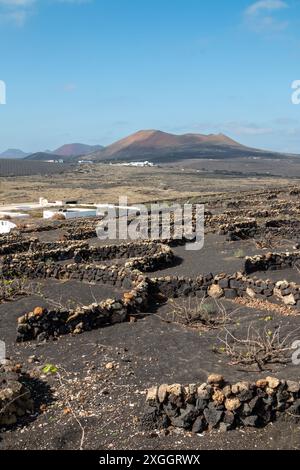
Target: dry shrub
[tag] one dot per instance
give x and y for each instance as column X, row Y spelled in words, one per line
column 58, row 217
column 197, row 312
column 259, row 348
column 13, row 288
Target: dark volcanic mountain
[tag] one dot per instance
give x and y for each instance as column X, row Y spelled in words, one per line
column 161, row 147
column 157, row 147
column 13, row 153
column 75, row 150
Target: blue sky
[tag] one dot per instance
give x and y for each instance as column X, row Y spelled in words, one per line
column 96, row 70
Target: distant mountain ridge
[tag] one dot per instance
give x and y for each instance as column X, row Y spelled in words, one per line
column 162, row 147
column 76, row 150
column 13, row 153
column 155, row 146
column 148, row 141
column 67, row 151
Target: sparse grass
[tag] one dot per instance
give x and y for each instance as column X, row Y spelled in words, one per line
column 239, row 253
column 13, row 288
column 106, row 182
column 36, row 214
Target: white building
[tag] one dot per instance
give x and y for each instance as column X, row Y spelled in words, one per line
column 138, row 164
column 6, row 226
column 103, row 208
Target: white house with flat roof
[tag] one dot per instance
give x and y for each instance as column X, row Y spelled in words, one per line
column 6, row 226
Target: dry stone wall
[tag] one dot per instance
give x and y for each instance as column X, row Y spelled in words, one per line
column 44, row 323
column 15, row 398
column 239, row 230
column 82, row 252
column 10, row 238
column 51, row 252
column 217, row 404
column 271, row 261
column 33, row 248
column 15, row 247
column 113, row 275
column 229, row 287
column 284, row 228
column 43, row 264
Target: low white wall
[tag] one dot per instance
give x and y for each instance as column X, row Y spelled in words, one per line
column 71, row 214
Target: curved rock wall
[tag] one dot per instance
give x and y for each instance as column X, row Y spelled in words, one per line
column 34, row 248
column 220, row 404
column 229, row 287
column 271, row 261
column 44, row 323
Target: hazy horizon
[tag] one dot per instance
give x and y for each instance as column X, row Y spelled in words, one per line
column 94, row 72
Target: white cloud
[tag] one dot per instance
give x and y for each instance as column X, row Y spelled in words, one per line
column 269, row 5
column 17, row 11
column 74, row 1
column 238, row 128
column 16, row 3
column 69, row 87
column 286, row 121
column 17, row 17
column 263, row 16
column 246, row 128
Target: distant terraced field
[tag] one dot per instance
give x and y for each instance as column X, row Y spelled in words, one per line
column 12, row 168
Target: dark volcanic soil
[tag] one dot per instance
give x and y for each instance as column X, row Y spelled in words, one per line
column 98, row 394
column 104, row 374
